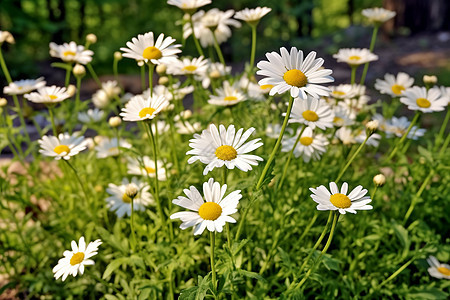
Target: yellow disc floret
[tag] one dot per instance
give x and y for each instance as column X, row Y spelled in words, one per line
column 422, row 102
column 152, row 53
column 354, row 57
column 77, row 258
column 126, row 198
column 443, row 270
column 52, row 97
column 226, row 152
column 230, row 98
column 306, row 140
column 67, row 53
column 210, row 211
column 295, row 77
column 397, row 89
column 62, row 148
column 190, row 68
column 150, row 170
column 146, row 111
column 310, row 115
column 338, row 93
column 340, row 200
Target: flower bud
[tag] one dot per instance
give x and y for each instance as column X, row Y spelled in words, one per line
column 141, row 63
column 6, row 36
column 115, row 121
column 163, row 80
column 91, row 38
column 131, row 190
column 429, row 81
column 379, row 180
column 117, row 55
column 79, row 71
column 3, row 102
column 98, row 139
column 98, row 188
column 71, row 89
column 186, row 114
column 214, row 74
column 161, row 69
column 371, row 127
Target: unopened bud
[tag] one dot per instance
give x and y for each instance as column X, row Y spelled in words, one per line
column 187, row 114
column 98, row 139
column 163, row 80
column 71, row 89
column 140, row 63
column 429, row 81
column 3, row 102
column 379, row 180
column 117, row 55
column 161, row 69
column 214, row 74
column 79, row 71
column 91, row 38
column 371, row 127
column 115, row 121
column 98, row 188
column 6, row 36
column 131, row 190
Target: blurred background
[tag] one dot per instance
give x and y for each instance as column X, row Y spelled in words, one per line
column 416, row 41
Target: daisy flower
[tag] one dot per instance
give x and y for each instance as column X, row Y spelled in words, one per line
column 140, row 108
column 312, row 112
column 217, row 148
column 174, row 92
column 419, row 98
column 273, row 131
column 378, row 15
column 75, row 260
column 437, row 269
column 71, row 52
column 187, row 128
column 109, row 147
column 120, row 202
column 215, row 71
column 310, row 146
column 254, row 90
column 335, row 200
column 189, row 5
column 373, row 140
column 24, row 86
column 445, row 92
column 394, row 85
column 345, row 135
column 144, row 48
column 148, row 168
column 210, row 211
column 48, row 95
column 227, row 96
column 91, row 116
column 398, row 126
column 64, row 146
column 290, row 72
column 344, row 91
column 111, row 88
column 252, row 16
column 186, row 66
column 342, row 116
column 355, row 56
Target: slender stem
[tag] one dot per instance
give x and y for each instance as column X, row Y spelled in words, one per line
column 119, row 165
column 252, row 55
column 212, row 236
column 78, row 179
column 217, row 47
column 52, row 119
column 353, row 74
column 197, row 44
column 151, row 68
column 291, row 153
column 404, row 266
column 351, row 159
column 372, row 196
column 4, row 68
column 133, row 234
column 115, row 70
column 445, row 145
column 417, row 196
column 172, row 143
column 277, row 145
column 372, row 46
column 440, row 136
column 94, row 75
column 68, row 72
column 227, row 225
column 400, row 142
column 143, row 77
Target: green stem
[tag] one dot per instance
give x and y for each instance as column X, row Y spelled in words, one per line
column 78, row 179
column 400, row 142
column 151, row 68
column 351, row 159
column 197, row 44
column 217, row 47
column 291, row 153
column 115, row 70
column 440, row 136
column 417, row 196
column 252, row 55
column 133, row 234
column 68, row 72
column 372, row 196
column 277, row 145
column 4, row 68
column 227, row 225
column 353, row 74
column 445, row 145
column 52, row 119
column 119, row 165
column 172, row 143
column 143, row 77
column 94, row 75
column 372, row 46
column 404, row 266
column 212, row 237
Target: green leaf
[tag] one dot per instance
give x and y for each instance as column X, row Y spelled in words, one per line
column 251, row 275
column 61, row 66
column 428, row 293
column 114, row 265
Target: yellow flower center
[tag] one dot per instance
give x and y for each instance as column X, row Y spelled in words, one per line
column 125, row 198
column 338, row 93
column 77, row 258
column 266, row 86
column 149, row 170
column 226, row 152
column 230, row 98
column 62, row 148
column 146, row 111
column 397, row 89
column 52, row 97
column 310, row 115
column 444, row 270
column 354, row 57
column 295, row 77
column 306, row 140
column 338, row 120
column 113, row 149
column 152, row 53
column 67, row 53
column 422, row 102
column 190, row 68
column 340, row 200
column 210, row 211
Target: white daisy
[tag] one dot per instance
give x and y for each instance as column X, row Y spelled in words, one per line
column 378, row 14
column 184, row 127
column 356, row 200
column 111, row 88
column 189, row 5
column 71, row 52
column 398, row 126
column 24, row 86
column 48, row 95
column 360, row 135
column 355, row 56
column 75, row 260
column 345, row 135
column 64, row 146
column 228, row 95
column 148, row 168
column 215, row 71
column 210, row 211
column 173, row 92
column 225, row 148
column 344, row 91
column 144, row 48
column 91, row 116
column 342, row 116
column 445, row 92
column 310, row 146
column 254, row 90
column 419, row 98
column 120, row 202
column 312, row 112
column 252, row 16
column 186, row 66
column 109, row 147
column 101, row 99
column 289, row 71
column 273, row 131
column 437, row 269
column 140, row 108
column 393, row 85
